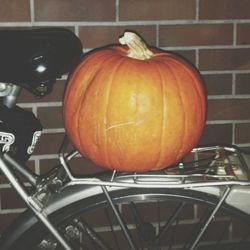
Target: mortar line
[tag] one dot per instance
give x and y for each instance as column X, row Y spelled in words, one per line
column 217, row 122
column 157, row 28
column 235, row 34
column 117, row 13
column 32, row 12
column 233, row 133
column 197, row 16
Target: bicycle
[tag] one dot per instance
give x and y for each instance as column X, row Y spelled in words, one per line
column 68, row 211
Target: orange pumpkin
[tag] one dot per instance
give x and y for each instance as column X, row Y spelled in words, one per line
column 133, row 108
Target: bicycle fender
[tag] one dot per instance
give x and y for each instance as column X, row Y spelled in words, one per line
column 72, row 194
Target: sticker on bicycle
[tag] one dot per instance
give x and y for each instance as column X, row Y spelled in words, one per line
column 35, row 139
column 7, row 139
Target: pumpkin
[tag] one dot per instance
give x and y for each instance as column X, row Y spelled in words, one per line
column 133, row 108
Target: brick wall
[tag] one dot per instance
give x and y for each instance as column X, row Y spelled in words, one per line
column 213, row 34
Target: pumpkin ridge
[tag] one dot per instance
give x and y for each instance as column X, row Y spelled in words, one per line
column 77, row 110
column 115, row 69
column 163, row 117
column 94, row 75
column 72, row 81
column 184, row 130
column 84, row 93
column 186, row 67
column 136, row 114
column 199, row 96
column 82, row 99
column 199, row 93
column 184, row 127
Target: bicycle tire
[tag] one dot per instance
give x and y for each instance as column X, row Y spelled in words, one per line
column 35, row 233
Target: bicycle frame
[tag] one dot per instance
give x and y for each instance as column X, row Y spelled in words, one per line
column 231, row 179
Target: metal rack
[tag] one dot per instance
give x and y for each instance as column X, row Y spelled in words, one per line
column 203, row 167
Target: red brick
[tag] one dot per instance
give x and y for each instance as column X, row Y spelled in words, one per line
column 196, row 34
column 83, row 166
column 157, row 10
column 188, row 55
column 79, row 166
column 224, row 59
column 243, row 33
column 242, row 84
column 15, row 11
column 218, row 84
column 49, row 143
column 75, row 10
column 29, row 164
column 228, row 109
column 242, row 133
column 224, row 9
column 98, row 36
column 10, row 199
column 50, row 117
column 217, row 134
column 48, row 164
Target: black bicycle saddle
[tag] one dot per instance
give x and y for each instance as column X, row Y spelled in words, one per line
column 34, row 58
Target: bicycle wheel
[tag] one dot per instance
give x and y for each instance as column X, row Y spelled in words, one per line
column 155, row 219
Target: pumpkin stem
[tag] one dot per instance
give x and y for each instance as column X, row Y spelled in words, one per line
column 137, row 48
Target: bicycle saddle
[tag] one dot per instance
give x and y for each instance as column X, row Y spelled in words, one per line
column 33, row 59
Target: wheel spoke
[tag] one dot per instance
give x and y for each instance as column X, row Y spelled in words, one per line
column 146, row 231
column 220, row 238
column 210, row 218
column 120, row 220
column 92, row 234
column 168, row 223
column 138, row 222
column 199, row 224
column 112, row 229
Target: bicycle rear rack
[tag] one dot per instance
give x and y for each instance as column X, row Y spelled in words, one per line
column 222, row 167
column 203, row 167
